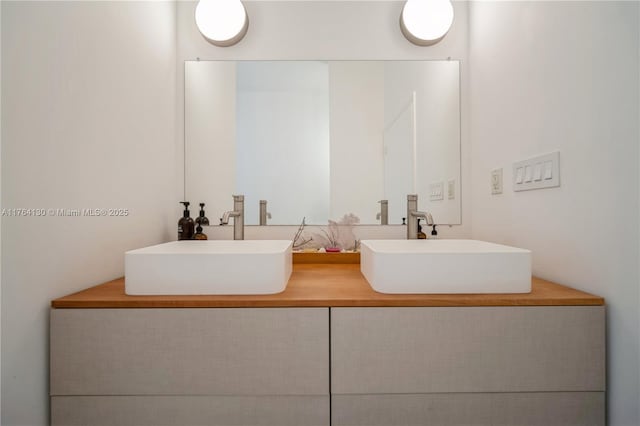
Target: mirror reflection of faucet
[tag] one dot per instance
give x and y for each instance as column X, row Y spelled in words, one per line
column 413, row 216
column 383, row 215
column 264, row 214
column 238, row 217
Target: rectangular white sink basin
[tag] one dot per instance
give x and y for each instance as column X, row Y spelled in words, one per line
column 209, row 267
column 445, row 267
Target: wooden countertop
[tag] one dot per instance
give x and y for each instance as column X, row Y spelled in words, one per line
column 323, row 285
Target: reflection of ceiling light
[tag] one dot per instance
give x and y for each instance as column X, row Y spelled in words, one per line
column 222, row 22
column 426, row 22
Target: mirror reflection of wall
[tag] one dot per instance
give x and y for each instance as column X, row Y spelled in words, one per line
column 432, row 89
column 321, row 139
column 399, row 147
column 282, row 139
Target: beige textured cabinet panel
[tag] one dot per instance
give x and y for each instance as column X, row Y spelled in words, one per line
column 190, row 410
column 484, row 349
column 478, row 409
column 259, row 351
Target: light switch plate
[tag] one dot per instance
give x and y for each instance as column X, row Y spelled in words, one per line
column 496, row 181
column 539, row 172
column 451, row 189
column 436, row 191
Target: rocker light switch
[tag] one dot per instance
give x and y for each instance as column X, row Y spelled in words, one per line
column 528, row 172
column 496, row 181
column 548, row 167
column 537, row 173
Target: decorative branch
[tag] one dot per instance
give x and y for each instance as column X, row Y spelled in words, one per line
column 296, row 244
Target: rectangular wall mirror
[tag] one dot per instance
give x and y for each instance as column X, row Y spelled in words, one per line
column 321, row 139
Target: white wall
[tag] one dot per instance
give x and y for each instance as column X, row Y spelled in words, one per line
column 330, row 30
column 88, row 106
column 564, row 76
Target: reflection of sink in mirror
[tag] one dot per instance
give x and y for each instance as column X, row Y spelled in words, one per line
column 445, row 266
column 209, row 267
column 308, row 135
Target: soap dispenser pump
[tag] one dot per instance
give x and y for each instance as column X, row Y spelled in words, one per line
column 434, row 233
column 185, row 224
column 202, row 219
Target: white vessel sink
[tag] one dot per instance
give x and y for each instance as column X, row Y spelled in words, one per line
column 445, row 266
column 209, row 267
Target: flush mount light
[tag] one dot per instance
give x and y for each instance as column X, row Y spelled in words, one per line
column 426, row 22
column 222, row 22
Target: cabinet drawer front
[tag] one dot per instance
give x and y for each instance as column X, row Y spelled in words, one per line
column 502, row 349
column 478, row 409
column 190, row 410
column 190, row 351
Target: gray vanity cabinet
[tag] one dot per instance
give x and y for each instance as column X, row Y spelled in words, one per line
column 240, row 366
column 470, row 365
column 383, row 366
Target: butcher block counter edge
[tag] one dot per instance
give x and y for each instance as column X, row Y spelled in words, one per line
column 326, row 285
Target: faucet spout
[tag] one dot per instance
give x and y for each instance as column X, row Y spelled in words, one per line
column 238, row 217
column 264, row 214
column 422, row 215
column 224, row 220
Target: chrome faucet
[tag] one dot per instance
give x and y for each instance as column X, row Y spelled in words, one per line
column 264, row 215
column 413, row 215
column 238, row 217
column 383, row 215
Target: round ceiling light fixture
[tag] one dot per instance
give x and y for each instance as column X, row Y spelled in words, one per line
column 426, row 22
column 222, row 22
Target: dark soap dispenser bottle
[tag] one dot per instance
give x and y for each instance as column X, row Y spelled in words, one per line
column 199, row 235
column 185, row 224
column 200, row 221
column 421, row 235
